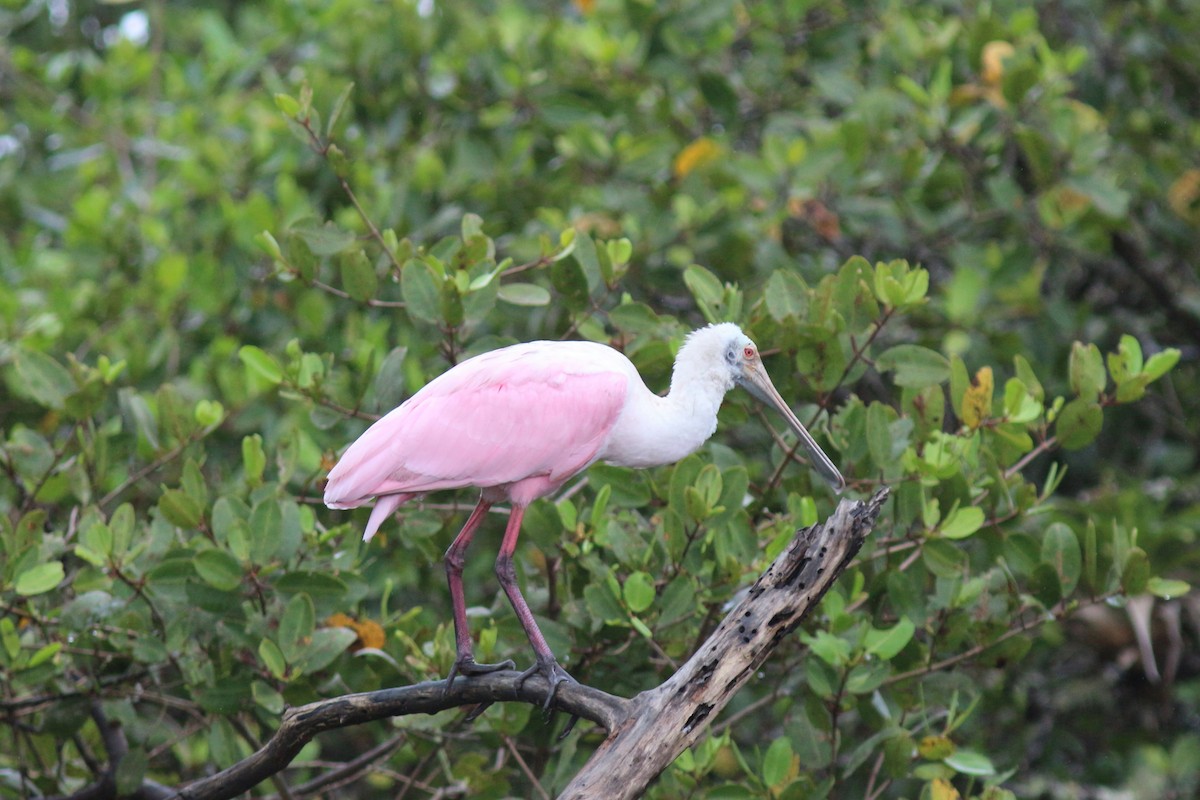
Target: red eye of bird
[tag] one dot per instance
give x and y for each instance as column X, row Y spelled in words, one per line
column 748, row 352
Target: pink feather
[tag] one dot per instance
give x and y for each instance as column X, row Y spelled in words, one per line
column 519, row 421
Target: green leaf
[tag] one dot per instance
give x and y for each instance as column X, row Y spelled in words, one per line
column 1079, row 423
column 297, row 624
column 9, row 638
column 602, row 604
column 261, row 364
column 639, row 592
column 1045, row 585
column 336, row 111
column 226, row 697
column 254, row 459
column 524, row 294
column 1061, row 550
column 833, row 650
column 879, row 434
column 584, row 251
column 1136, row 575
column 570, row 283
column 41, row 378
column 422, row 295
column 180, row 509
column 39, row 579
column 1126, row 363
column 785, row 295
column 287, row 104
column 1086, row 367
column 273, row 657
column 943, row 558
column 635, row 318
column 327, row 240
column 1027, row 377
column 1160, row 363
column 916, row 367
column 358, row 276
column 209, row 413
column 218, row 569
column 707, row 290
column 866, row 677
column 266, row 531
column 131, row 770
column 968, row 762
column 887, row 643
column 326, row 645
column 316, row 584
column 1090, row 557
column 777, row 762
column 1167, row 588
column 99, row 539
column 962, row 522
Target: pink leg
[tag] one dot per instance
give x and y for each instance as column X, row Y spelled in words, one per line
column 464, row 663
column 507, row 573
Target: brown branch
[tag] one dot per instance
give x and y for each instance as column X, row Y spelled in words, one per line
column 301, row 724
column 350, row 770
column 664, row 721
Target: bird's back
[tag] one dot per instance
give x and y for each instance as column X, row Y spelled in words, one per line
column 524, row 418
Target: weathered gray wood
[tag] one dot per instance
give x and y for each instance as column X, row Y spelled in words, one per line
column 667, row 719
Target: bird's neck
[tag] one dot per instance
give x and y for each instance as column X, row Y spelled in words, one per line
column 656, row 430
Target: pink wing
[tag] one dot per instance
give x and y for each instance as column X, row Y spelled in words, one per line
column 505, row 417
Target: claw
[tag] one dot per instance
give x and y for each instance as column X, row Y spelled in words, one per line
column 468, row 667
column 476, row 712
column 552, row 672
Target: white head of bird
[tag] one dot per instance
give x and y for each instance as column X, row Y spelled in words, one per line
column 519, row 422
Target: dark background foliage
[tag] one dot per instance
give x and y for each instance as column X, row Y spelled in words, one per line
column 962, row 234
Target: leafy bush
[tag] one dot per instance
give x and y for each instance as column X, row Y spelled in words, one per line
column 962, row 238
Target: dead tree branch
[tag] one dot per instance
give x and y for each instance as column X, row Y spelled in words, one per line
column 664, row 721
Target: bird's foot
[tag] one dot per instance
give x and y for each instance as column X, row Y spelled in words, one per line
column 468, row 667
column 554, row 674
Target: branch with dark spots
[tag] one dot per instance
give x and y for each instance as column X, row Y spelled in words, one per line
column 699, row 715
column 666, row 720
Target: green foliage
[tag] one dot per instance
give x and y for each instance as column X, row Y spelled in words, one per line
column 960, row 237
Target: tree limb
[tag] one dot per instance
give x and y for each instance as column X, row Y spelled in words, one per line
column 666, row 720
column 302, row 723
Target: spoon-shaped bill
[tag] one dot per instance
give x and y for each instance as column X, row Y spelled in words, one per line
column 758, row 383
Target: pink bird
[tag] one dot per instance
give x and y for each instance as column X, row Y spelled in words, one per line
column 520, row 421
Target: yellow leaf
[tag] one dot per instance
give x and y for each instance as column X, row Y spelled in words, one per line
column 1184, row 195
column 935, row 747
column 585, row 6
column 942, row 789
column 992, row 60
column 700, row 152
column 977, row 400
column 370, row 633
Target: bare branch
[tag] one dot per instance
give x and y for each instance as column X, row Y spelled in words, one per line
column 666, row 720
column 301, row 724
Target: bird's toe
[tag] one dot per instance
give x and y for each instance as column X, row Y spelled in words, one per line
column 554, row 674
column 468, row 667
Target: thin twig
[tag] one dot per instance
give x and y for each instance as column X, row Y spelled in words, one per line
column 516, row 754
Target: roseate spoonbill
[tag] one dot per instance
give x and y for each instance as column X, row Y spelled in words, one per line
column 520, row 421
